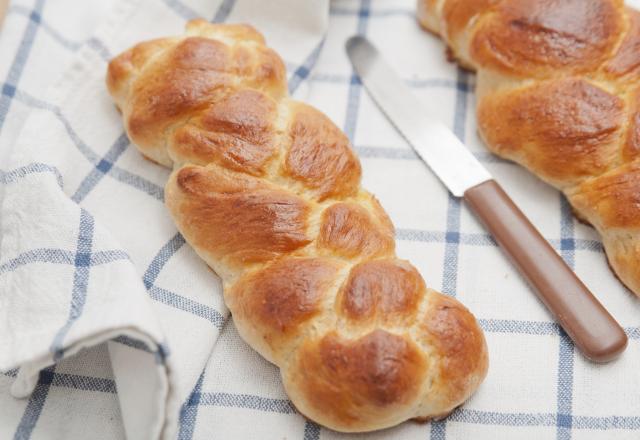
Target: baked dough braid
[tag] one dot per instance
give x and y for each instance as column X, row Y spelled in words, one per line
column 267, row 191
column 558, row 92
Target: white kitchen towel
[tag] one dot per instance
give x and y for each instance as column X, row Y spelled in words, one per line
column 88, row 253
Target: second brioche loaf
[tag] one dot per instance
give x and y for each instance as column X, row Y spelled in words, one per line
column 558, row 92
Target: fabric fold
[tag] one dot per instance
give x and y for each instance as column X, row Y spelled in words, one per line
column 88, row 253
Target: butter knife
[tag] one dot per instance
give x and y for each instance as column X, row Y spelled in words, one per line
column 593, row 330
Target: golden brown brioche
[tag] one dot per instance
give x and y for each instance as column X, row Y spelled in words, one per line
column 267, row 191
column 558, row 92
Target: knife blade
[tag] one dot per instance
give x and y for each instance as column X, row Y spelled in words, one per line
column 436, row 145
column 594, row 331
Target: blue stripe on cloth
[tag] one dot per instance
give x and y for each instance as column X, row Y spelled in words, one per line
column 579, row 244
column 162, row 257
column 80, row 281
column 364, row 12
column 75, row 381
column 103, row 257
column 20, row 60
column 7, row 177
column 160, row 354
column 544, row 419
column 566, row 350
column 137, row 182
column 11, row 373
column 567, row 242
column 35, row 405
column 187, row 305
column 605, row 423
column 181, row 9
column 59, row 256
column 223, row 11
column 101, row 168
column 512, row 326
column 465, row 84
column 411, row 82
column 99, row 47
column 420, row 235
column 43, row 255
column 189, row 411
column 452, row 235
column 438, row 430
column 355, row 85
column 302, row 72
column 27, row 99
column 311, row 430
column 633, row 332
column 353, row 102
column 85, row 383
column 410, row 154
column 386, row 153
column 520, row 327
column 483, row 239
column 247, row 401
column 133, row 343
column 52, row 32
column 383, row 13
column 502, row 419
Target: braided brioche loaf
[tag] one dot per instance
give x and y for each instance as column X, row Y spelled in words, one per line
column 558, row 92
column 267, row 191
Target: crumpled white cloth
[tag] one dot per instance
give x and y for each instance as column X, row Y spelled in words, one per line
column 88, row 253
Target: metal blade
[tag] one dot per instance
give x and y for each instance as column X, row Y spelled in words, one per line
column 447, row 157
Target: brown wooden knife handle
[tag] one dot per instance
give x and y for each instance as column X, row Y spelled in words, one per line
column 593, row 330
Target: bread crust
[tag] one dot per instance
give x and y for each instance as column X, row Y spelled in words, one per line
column 557, row 92
column 267, row 191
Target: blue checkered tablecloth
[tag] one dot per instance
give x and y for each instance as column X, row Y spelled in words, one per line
column 110, row 325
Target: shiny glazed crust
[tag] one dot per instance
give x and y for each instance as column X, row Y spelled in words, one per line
column 558, row 93
column 267, row 191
